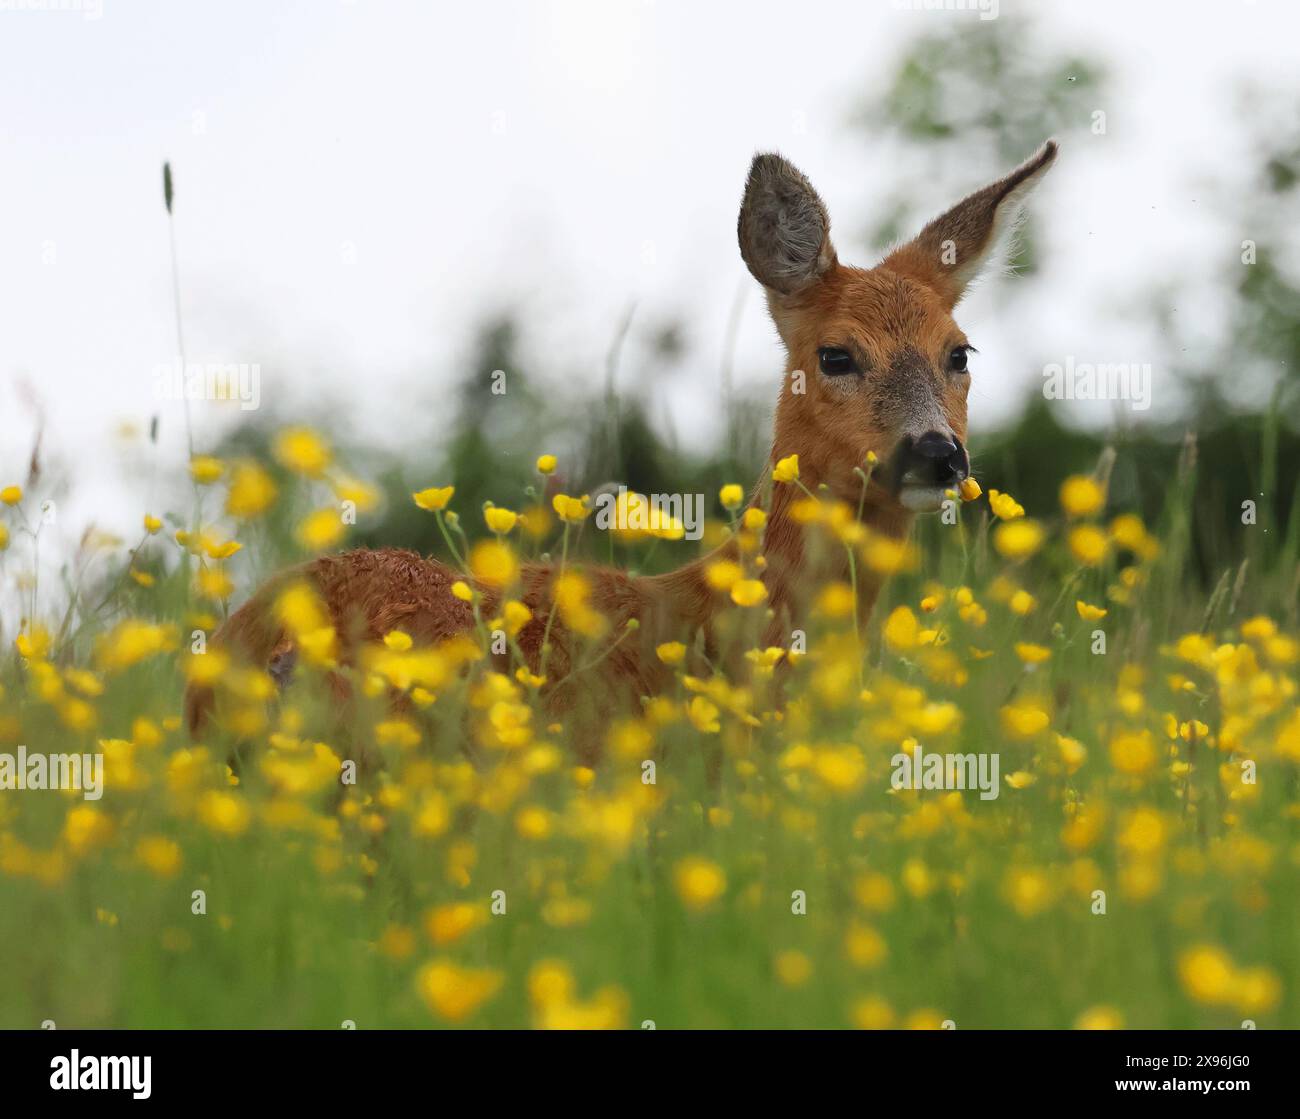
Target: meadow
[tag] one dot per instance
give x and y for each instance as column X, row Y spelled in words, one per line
column 739, row 856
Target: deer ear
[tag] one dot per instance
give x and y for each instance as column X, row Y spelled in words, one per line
column 953, row 249
column 784, row 229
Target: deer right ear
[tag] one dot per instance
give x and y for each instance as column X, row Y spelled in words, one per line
column 953, row 249
column 784, row 229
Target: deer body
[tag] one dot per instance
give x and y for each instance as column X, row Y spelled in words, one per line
column 875, row 366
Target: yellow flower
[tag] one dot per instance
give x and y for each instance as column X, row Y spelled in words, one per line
column 969, row 489
column 571, row 510
column 722, row 575
column 86, row 828
column 748, row 592
column 159, row 855
column 700, row 882
column 546, row 464
column 1024, row 719
column 1081, row 496
column 493, row 563
column 462, row 590
column 500, row 521
column 1005, row 506
column 320, row 529
column 303, row 451
column 1133, row 752
column 1022, row 603
column 4, row 537
column 1088, row 612
column 398, row 640
column 573, row 599
column 703, row 716
column 151, row 524
column 11, row 495
column 224, row 813
column 516, row 616
column 446, row 924
column 1128, row 531
column 731, row 496
column 786, row 469
column 252, row 492
column 671, row 652
column 902, row 630
column 1018, row 539
column 872, row 1013
column 205, row 469
column 1088, row 544
column 792, row 968
column 130, row 642
column 1207, row 974
column 454, row 992
column 1100, row 1018
column 1028, row 890
column 363, row 496
column 1032, row 654
column 754, row 518
column 433, row 500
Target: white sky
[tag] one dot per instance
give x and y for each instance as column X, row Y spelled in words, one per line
column 358, row 181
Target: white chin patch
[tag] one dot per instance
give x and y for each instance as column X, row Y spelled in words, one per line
column 921, row 499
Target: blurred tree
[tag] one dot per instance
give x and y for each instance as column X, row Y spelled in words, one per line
column 979, row 96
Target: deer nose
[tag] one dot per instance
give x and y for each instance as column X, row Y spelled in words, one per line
column 934, row 459
column 932, row 445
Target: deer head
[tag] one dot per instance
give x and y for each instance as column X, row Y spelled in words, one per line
column 876, row 362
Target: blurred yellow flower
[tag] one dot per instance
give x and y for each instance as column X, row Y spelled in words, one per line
column 1088, row 544
column 731, row 496
column 252, row 491
column 224, row 813
column 748, row 592
column 546, row 464
column 11, row 495
column 1032, row 654
column 493, row 563
column 159, row 855
column 446, row 924
column 454, row 992
column 303, row 451
column 205, row 469
column 320, row 529
column 1100, row 1018
column 700, row 882
column 1018, row 539
column 1082, row 496
column 792, row 968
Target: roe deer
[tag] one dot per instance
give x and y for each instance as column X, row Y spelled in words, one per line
column 875, row 365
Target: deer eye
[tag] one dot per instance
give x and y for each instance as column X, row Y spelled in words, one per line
column 957, row 359
column 836, row 362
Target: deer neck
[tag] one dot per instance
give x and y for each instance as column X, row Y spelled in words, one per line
column 797, row 559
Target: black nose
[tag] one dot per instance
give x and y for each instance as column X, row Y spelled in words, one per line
column 934, row 460
column 935, row 446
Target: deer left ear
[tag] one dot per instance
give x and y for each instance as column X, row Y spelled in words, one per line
column 952, row 250
column 784, row 230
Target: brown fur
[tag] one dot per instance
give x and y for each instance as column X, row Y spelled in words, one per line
column 895, row 318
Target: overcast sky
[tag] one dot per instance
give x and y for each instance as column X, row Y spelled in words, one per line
column 357, row 181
